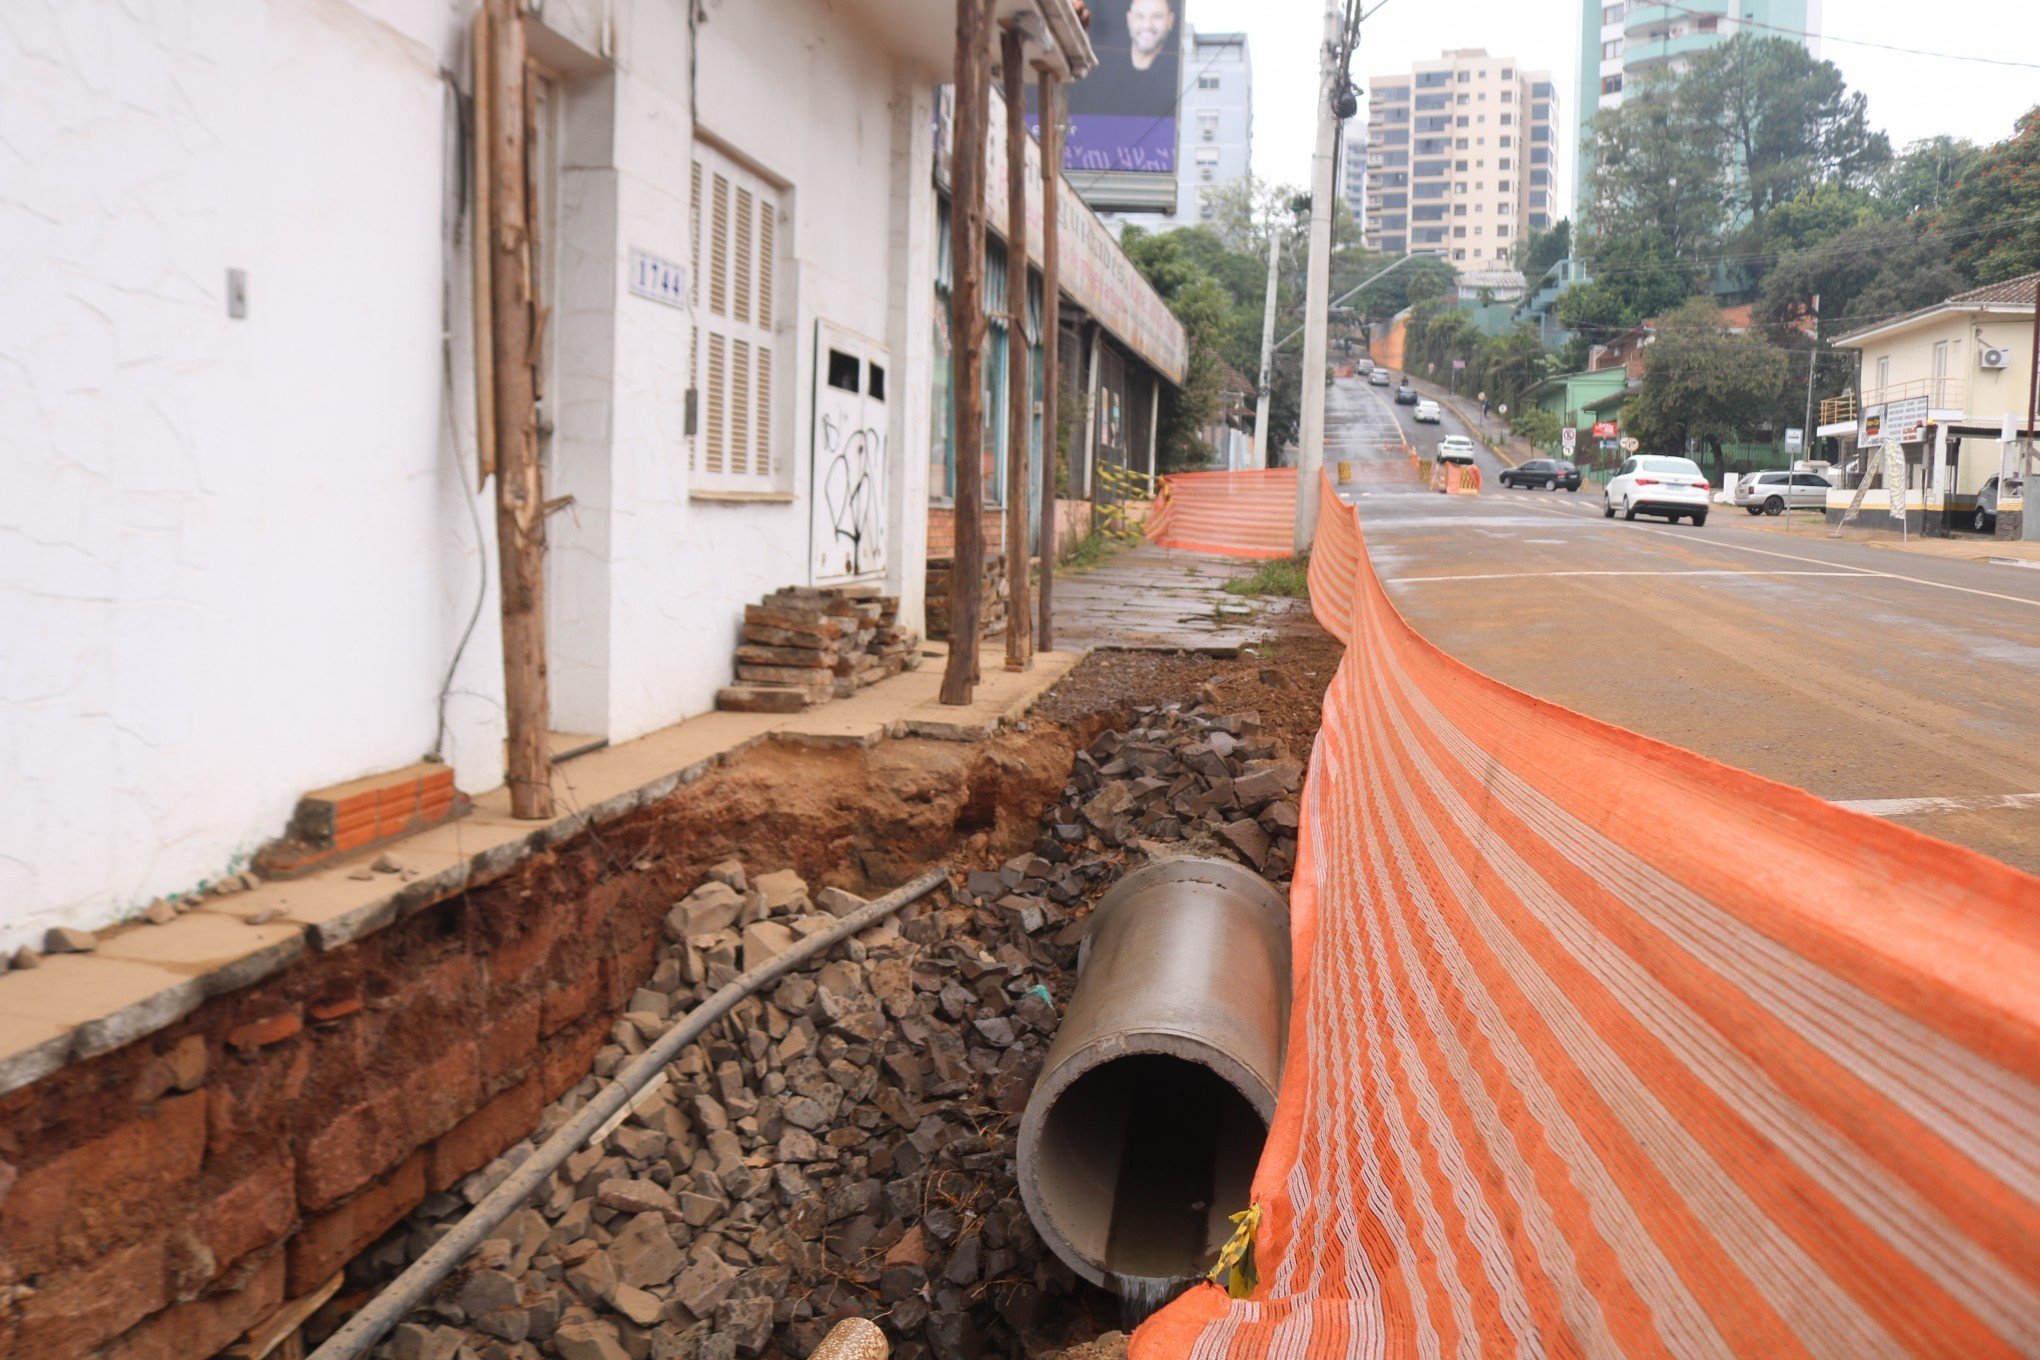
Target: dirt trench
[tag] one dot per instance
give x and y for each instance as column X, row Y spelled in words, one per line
column 860, row 820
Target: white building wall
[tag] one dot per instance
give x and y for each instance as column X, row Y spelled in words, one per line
column 237, row 557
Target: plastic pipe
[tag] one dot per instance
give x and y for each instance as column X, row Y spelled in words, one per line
column 423, row 1275
column 1142, row 1133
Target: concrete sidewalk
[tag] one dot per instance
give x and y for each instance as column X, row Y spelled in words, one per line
column 1157, row 599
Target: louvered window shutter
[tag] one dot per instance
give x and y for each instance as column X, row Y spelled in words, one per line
column 735, row 216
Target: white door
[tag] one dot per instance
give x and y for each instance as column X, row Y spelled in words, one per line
column 847, row 498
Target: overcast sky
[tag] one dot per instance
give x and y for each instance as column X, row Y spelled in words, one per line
column 1910, row 96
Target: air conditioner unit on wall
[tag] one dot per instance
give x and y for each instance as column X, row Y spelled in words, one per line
column 1988, row 356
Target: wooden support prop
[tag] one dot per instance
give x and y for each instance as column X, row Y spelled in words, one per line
column 967, row 327
column 480, row 251
column 1051, row 337
column 1019, row 399
column 520, row 488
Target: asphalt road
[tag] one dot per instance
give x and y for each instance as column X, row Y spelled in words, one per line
column 1903, row 683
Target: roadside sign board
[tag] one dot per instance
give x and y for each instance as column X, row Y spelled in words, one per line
column 1604, row 429
column 1872, row 429
column 1568, row 437
column 1795, row 440
column 1906, row 421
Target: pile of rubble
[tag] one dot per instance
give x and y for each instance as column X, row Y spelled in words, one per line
column 808, row 644
column 1183, row 780
column 843, row 1143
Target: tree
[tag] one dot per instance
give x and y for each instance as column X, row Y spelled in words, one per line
column 1874, row 268
column 1920, row 178
column 1816, row 215
column 1992, row 217
column 1700, row 382
column 1544, row 248
column 1537, row 425
column 1657, row 169
column 1635, row 277
column 1201, row 304
column 1785, row 120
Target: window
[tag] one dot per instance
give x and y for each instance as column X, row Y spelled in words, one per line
column 1458, row 254
column 1611, row 49
column 1465, row 77
column 1508, row 120
column 1501, row 229
column 1508, row 96
column 1501, row 186
column 1207, row 124
column 735, row 218
column 1611, row 84
column 1483, row 96
column 1502, row 164
column 1884, row 373
column 1464, row 99
column 1505, row 140
column 1476, row 229
column 1459, row 144
column 1540, row 113
column 1462, row 120
column 1459, row 233
column 1507, row 74
column 1459, row 165
column 1459, row 210
column 1207, row 80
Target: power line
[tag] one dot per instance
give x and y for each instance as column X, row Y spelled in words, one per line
column 1852, row 42
column 1805, row 252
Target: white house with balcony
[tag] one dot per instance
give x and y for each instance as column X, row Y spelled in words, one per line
column 1950, row 381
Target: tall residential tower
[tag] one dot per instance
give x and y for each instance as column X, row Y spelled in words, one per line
column 1622, row 40
column 1462, row 158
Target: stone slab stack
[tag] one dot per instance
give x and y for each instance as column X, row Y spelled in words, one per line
column 992, row 600
column 807, row 644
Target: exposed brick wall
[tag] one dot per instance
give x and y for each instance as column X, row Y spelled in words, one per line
column 157, row 1200
column 942, row 530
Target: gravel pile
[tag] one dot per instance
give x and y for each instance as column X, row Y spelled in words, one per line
column 843, row 1143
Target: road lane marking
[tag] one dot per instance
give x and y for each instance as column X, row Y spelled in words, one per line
column 1526, row 575
column 1841, row 568
column 1914, row 807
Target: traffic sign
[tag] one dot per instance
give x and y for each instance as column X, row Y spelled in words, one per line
column 1630, row 445
column 1568, row 437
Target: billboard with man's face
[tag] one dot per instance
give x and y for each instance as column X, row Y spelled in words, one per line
column 1121, row 149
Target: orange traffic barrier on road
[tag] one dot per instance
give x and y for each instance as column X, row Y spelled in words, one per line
column 1240, row 514
column 1455, row 479
column 1599, row 1047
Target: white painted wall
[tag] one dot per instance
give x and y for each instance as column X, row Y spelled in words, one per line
column 238, row 556
column 235, row 556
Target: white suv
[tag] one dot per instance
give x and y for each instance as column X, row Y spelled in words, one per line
column 1653, row 485
column 1454, row 448
column 1769, row 493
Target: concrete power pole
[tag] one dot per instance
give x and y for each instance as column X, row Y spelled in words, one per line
column 1267, row 382
column 1310, row 453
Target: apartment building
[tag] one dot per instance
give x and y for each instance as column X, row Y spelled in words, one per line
column 1621, row 40
column 1214, row 131
column 1353, row 169
column 1462, row 159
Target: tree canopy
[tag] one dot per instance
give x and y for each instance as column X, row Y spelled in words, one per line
column 1705, row 383
column 1991, row 217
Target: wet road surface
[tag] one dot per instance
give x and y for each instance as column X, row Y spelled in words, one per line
column 1902, row 682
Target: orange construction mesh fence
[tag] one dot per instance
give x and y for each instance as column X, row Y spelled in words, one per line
column 1240, row 514
column 1601, row 1048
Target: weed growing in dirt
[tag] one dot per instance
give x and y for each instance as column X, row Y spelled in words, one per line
column 1094, row 550
column 1288, row 576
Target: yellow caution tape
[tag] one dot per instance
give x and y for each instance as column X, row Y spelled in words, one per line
column 1235, row 1269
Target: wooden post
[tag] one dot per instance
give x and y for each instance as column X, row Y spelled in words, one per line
column 520, row 490
column 967, row 331
column 1051, row 336
column 1019, row 392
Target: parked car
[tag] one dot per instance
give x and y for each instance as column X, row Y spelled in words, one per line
column 1984, row 518
column 1769, row 493
column 1378, row 378
column 1364, row 365
column 1427, row 413
column 1406, row 395
column 1549, row 473
column 1651, row 484
column 1453, row 448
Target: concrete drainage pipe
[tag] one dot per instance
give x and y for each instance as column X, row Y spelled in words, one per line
column 1144, row 1128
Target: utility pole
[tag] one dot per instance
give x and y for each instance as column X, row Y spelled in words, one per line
column 1310, row 453
column 520, row 482
column 1051, row 341
column 1267, row 382
column 967, row 329
column 1019, row 409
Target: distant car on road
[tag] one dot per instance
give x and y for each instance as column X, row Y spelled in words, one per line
column 1378, row 378
column 1984, row 518
column 1656, row 485
column 1549, row 473
column 1770, row 493
column 1453, row 448
column 1406, row 395
column 1427, row 413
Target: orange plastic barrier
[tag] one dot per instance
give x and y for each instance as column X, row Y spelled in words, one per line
column 1455, row 479
column 1601, row 1048
column 1240, row 514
